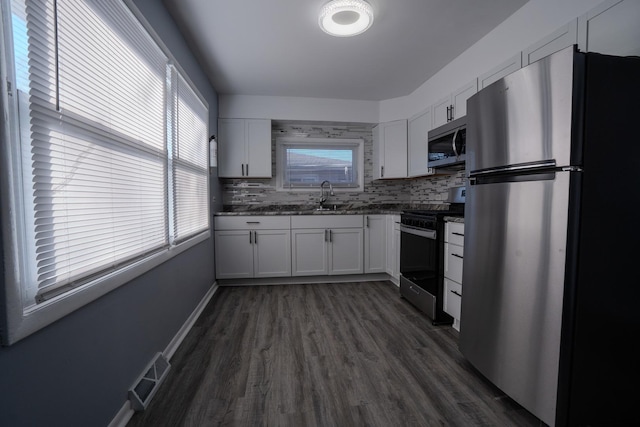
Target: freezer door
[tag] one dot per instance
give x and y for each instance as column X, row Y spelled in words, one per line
column 513, row 276
column 524, row 117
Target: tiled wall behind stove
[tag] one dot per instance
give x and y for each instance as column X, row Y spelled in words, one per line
column 422, row 190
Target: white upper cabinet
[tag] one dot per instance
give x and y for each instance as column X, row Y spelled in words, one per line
column 244, row 148
column 504, row 69
column 554, row 42
column 390, row 150
column 419, row 126
column 453, row 106
column 459, row 98
column 612, row 28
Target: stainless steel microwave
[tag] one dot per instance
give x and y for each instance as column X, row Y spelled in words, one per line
column 447, row 145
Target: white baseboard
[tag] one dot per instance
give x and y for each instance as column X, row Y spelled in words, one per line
column 188, row 324
column 126, row 412
column 123, row 416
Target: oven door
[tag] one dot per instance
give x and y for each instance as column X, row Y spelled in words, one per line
column 419, row 257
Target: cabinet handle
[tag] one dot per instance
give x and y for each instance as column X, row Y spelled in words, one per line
column 451, row 113
column 243, row 169
column 381, row 171
column 457, row 256
column 250, row 233
column 457, row 293
column 367, row 221
column 458, row 234
column 448, row 113
column 415, row 290
column 329, row 236
column 255, row 237
column 326, row 235
column 247, row 169
column 253, row 222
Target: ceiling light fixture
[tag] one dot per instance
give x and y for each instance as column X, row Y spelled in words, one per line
column 344, row 18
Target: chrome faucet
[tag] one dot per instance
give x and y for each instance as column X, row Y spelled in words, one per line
column 323, row 195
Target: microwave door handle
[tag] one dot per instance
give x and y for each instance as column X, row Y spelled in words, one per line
column 453, row 143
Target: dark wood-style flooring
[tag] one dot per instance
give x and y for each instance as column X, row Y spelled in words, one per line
column 347, row 354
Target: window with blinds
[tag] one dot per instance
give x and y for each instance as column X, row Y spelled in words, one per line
column 116, row 139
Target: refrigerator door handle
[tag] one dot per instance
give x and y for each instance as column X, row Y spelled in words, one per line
column 514, row 169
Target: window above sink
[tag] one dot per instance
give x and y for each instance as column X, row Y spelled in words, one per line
column 302, row 164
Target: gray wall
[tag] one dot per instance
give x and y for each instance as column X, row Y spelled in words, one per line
column 76, row 372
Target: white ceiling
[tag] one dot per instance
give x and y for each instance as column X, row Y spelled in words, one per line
column 275, row 47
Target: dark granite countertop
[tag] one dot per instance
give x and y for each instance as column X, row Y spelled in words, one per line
column 459, row 219
column 344, row 209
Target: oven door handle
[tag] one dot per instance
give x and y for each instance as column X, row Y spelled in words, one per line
column 429, row 234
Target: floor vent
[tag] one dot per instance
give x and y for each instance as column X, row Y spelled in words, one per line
column 147, row 384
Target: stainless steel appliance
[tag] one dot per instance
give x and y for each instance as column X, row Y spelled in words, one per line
column 447, row 145
column 551, row 298
column 422, row 256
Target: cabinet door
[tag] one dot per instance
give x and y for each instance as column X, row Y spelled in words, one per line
column 507, row 67
column 258, row 163
column 272, row 253
column 453, row 256
column 231, row 148
column 418, row 148
column 611, row 28
column 393, row 247
column 378, row 152
column 554, row 42
column 234, row 254
column 394, row 137
column 396, row 251
column 459, row 98
column 452, row 299
column 345, row 251
column 375, row 244
column 440, row 113
column 309, row 252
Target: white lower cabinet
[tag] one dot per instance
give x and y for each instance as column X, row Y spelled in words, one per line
column 453, row 258
column 252, row 246
column 234, row 254
column 393, row 248
column 327, row 245
column 375, row 243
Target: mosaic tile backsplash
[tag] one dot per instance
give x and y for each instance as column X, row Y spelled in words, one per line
column 250, row 192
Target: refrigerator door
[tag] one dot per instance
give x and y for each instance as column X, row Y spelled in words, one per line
column 516, row 238
column 524, row 117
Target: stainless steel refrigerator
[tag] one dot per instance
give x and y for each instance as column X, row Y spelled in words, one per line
column 551, row 282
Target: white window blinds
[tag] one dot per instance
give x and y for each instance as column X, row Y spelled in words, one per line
column 102, row 137
column 190, row 163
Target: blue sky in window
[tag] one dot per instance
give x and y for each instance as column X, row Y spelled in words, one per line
column 344, row 155
column 21, row 52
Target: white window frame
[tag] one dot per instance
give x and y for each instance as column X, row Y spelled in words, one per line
column 17, row 320
column 283, row 142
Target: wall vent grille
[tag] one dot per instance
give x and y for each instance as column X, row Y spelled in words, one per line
column 145, row 387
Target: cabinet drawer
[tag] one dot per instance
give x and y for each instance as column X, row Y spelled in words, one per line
column 454, row 233
column 252, row 222
column 453, row 257
column 326, row 221
column 452, row 298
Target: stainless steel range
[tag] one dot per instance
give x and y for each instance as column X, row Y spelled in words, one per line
column 422, row 256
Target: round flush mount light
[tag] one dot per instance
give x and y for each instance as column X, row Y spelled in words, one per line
column 344, row 18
